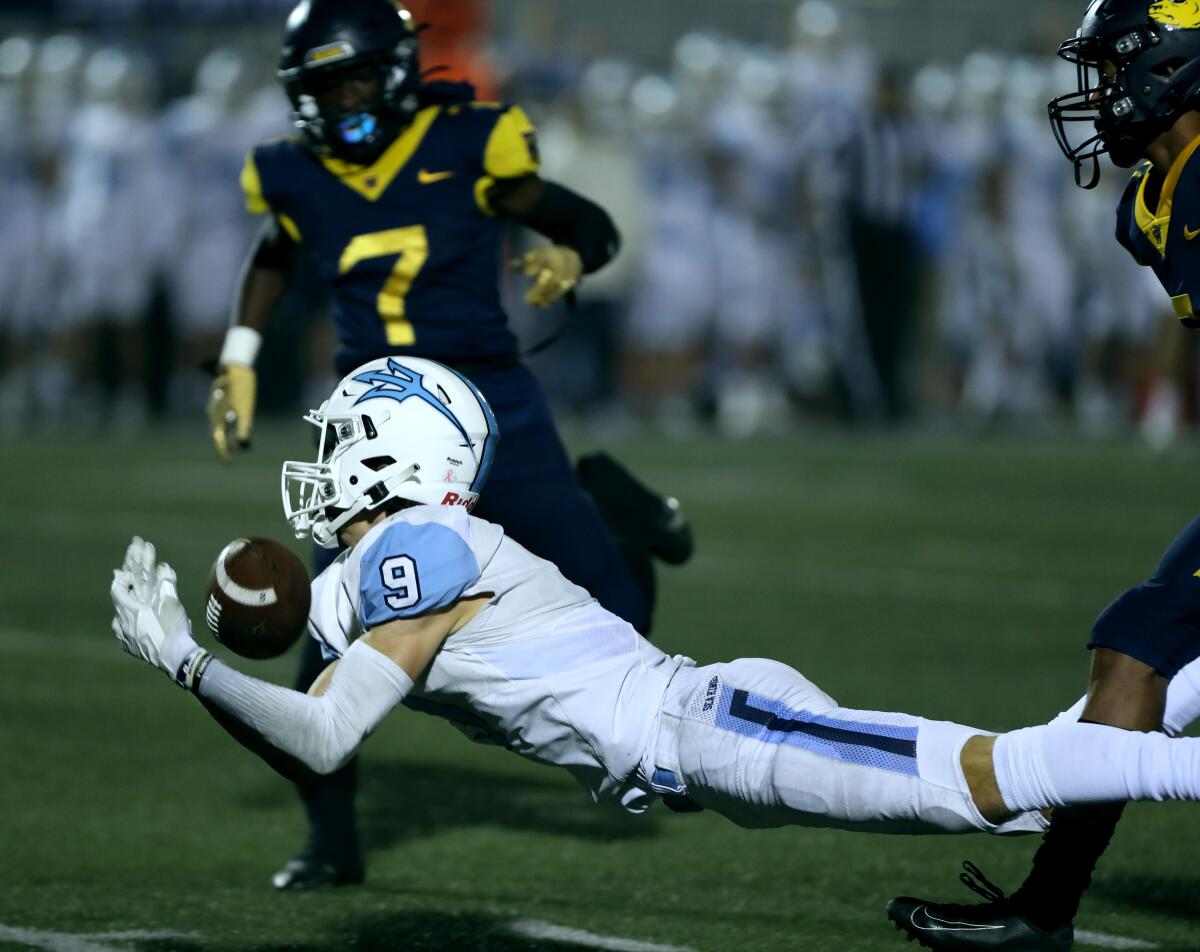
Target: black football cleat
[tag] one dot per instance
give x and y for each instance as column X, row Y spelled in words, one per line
column 950, row 926
column 673, row 543
column 633, row 511
column 957, row 927
column 306, row 873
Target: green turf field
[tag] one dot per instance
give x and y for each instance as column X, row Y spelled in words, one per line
column 944, row 576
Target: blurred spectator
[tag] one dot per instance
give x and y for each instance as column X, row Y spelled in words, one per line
column 885, row 156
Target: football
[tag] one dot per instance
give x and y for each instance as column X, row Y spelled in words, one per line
column 258, row 598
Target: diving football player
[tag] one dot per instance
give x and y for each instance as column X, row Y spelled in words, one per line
column 438, row 610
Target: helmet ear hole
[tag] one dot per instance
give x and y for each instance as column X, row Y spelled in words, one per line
column 1169, row 67
column 378, row 462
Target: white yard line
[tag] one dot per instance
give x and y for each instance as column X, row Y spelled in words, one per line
column 1106, row 941
column 537, row 929
column 83, row 942
column 528, row 928
column 131, row 935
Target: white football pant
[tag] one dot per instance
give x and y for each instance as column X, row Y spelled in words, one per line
column 759, row 743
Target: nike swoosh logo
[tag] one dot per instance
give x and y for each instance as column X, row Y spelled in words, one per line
column 945, row 925
column 1189, row 234
column 428, row 178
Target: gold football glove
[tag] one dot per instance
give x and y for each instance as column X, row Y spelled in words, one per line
column 555, row 270
column 231, row 404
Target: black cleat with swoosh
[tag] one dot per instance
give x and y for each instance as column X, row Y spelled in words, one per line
column 950, row 926
column 960, row 927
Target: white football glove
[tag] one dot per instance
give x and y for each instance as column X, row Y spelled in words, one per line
column 150, row 621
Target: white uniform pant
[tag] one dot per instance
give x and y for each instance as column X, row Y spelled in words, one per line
column 757, row 742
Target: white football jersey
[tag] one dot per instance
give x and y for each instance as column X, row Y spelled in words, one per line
column 542, row 669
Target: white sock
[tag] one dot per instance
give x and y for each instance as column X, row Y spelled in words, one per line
column 1064, row 764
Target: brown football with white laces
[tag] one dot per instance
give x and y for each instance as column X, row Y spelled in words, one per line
column 258, row 598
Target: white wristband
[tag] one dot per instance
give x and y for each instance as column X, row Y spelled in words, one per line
column 241, row 346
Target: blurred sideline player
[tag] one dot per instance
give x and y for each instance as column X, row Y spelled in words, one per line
column 1139, row 101
column 395, row 189
column 441, row 611
column 108, row 157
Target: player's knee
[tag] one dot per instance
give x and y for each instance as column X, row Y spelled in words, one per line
column 1125, row 692
column 778, row 681
column 980, row 773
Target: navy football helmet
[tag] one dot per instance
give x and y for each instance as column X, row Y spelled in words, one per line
column 1138, row 64
column 329, row 41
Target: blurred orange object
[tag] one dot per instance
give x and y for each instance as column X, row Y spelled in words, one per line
column 453, row 41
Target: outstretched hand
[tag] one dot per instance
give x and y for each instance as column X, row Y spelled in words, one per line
column 150, row 621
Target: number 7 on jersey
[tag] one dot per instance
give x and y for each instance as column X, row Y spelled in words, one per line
column 412, row 245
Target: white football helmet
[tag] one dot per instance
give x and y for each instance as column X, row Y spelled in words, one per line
column 395, row 428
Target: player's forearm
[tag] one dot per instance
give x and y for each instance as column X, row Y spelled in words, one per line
column 322, row 733
column 259, row 293
column 287, row 766
column 567, row 218
column 264, row 278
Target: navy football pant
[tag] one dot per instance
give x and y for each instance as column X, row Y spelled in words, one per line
column 1158, row 622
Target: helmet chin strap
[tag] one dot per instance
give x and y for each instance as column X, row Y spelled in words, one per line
column 325, row 532
column 1093, row 175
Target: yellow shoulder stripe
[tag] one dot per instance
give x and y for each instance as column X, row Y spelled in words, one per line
column 511, row 149
column 252, row 187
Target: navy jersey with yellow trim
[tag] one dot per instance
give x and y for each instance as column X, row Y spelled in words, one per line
column 408, row 246
column 1165, row 237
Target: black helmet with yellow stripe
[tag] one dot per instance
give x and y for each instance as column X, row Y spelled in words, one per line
column 331, row 43
column 1138, row 64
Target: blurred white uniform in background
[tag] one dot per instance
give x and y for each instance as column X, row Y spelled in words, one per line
column 110, row 205
column 206, row 232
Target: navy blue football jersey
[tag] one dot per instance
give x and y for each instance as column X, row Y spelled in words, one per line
column 1165, row 237
column 408, row 245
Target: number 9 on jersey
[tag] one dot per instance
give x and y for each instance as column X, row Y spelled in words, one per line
column 399, row 576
